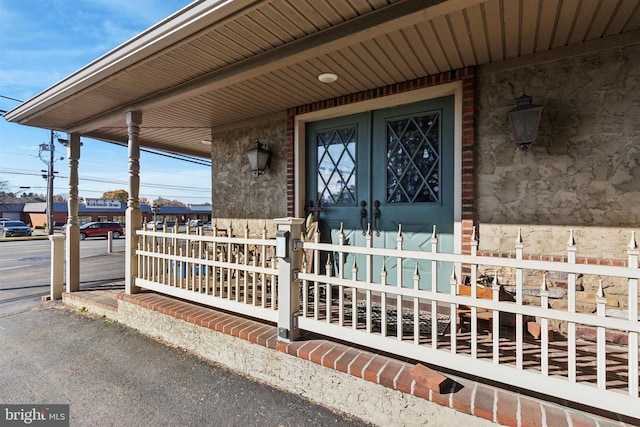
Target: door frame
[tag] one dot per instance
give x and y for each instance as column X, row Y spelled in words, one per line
column 445, row 89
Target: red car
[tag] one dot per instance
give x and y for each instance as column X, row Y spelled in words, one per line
column 100, row 229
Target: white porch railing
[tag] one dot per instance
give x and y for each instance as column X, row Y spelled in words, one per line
column 336, row 299
column 238, row 274
column 364, row 309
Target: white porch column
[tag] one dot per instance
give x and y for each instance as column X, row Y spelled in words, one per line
column 133, row 214
column 72, row 244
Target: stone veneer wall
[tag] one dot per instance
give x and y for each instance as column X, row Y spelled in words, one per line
column 582, row 173
column 238, row 193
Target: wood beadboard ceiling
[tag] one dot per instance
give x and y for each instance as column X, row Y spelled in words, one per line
column 250, row 59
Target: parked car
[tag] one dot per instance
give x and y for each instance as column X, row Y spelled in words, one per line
column 100, row 229
column 158, row 224
column 195, row 223
column 14, row 229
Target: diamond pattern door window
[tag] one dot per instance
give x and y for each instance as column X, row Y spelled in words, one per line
column 337, row 165
column 413, row 159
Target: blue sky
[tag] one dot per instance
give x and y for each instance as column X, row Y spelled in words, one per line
column 42, row 42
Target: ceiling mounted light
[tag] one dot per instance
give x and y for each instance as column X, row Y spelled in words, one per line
column 205, row 141
column 327, row 77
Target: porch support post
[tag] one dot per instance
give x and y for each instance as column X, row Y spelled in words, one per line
column 289, row 259
column 57, row 266
column 133, row 215
column 72, row 246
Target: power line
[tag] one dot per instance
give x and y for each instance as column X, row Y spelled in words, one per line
column 176, row 156
column 10, row 98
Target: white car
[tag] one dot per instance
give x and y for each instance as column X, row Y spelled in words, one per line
column 158, row 224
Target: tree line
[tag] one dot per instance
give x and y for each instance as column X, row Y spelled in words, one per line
column 8, row 197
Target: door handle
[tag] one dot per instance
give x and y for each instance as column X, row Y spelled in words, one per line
column 363, row 217
column 376, row 216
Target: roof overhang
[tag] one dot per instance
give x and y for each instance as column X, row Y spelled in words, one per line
column 215, row 63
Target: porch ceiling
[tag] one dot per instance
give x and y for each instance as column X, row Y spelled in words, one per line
column 216, row 63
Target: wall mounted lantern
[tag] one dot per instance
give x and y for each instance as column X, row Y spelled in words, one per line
column 259, row 158
column 524, row 120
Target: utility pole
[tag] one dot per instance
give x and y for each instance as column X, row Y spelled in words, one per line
column 50, row 175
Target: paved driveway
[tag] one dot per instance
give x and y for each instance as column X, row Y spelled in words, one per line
column 112, row 375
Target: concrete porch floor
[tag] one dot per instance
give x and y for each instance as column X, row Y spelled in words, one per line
column 404, row 379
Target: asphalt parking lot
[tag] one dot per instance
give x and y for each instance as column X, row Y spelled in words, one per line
column 109, row 374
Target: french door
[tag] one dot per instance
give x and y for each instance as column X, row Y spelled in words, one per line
column 383, row 169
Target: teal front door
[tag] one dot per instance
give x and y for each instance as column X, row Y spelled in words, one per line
column 384, row 169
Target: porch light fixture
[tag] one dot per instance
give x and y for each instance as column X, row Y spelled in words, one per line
column 327, row 77
column 524, row 120
column 259, row 158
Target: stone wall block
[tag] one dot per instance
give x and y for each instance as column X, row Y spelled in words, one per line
column 238, row 193
column 581, row 171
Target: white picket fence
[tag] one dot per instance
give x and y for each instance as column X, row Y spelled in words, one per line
column 357, row 304
column 238, row 274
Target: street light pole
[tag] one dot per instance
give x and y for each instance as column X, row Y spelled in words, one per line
column 154, row 209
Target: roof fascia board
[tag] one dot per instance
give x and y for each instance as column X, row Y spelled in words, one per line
column 184, row 23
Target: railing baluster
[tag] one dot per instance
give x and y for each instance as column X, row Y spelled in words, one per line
column 383, row 306
column 192, row 268
column 341, row 275
column 174, row 262
column 474, row 293
column 327, row 294
column 544, row 326
column 354, row 295
column 245, row 261
column 263, row 264
column 163, row 263
column 305, row 291
column 154, row 259
column 519, row 291
column 141, row 260
column 601, row 343
column 369, row 276
column 181, row 269
column 316, row 284
column 434, row 291
column 453, row 314
column 201, row 268
column 632, row 306
column 416, row 307
column 236, row 275
column 495, row 328
column 399, row 260
column 207, row 272
column 254, row 281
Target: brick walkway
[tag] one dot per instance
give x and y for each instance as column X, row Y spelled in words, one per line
column 500, row 405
